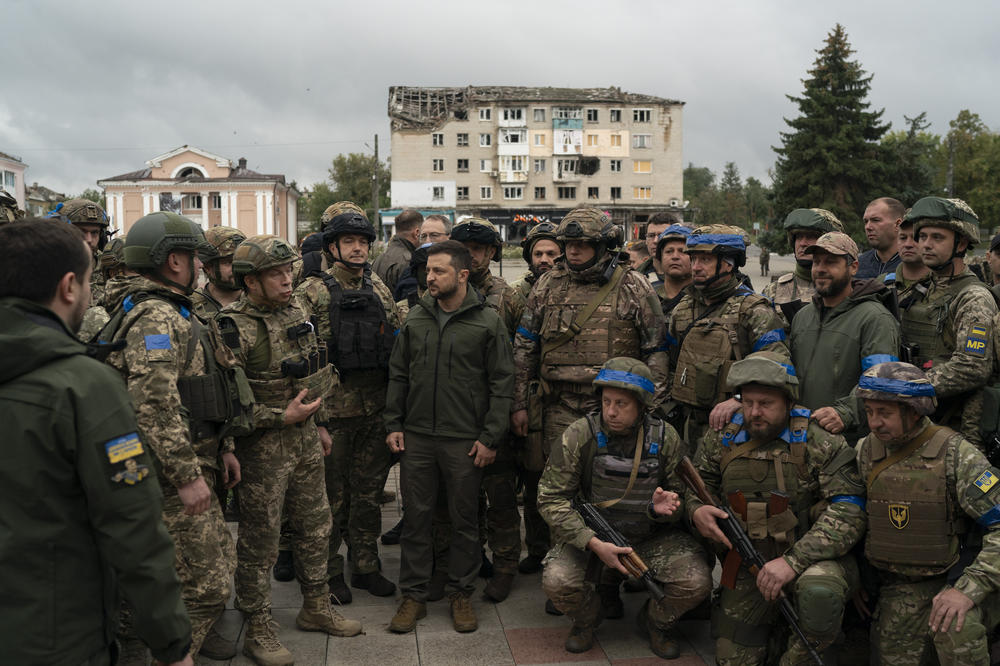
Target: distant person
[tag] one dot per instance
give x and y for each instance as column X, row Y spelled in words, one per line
column 79, row 503
column 435, row 229
column 656, row 226
column 882, row 219
column 765, row 261
column 390, row 264
column 637, row 254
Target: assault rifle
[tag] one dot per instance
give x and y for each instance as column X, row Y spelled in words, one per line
column 605, row 532
column 743, row 547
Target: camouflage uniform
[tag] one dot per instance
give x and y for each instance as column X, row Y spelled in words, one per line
column 157, row 332
column 952, row 325
column 919, row 509
column 9, row 212
column 222, row 243
column 814, row 534
column 356, row 469
column 713, row 326
column 591, row 465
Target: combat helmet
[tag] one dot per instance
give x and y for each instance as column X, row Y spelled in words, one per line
column 335, row 209
column 896, row 381
column 675, row 232
column 727, row 242
column 766, row 368
column 541, row 231
column 418, row 265
column 9, row 212
column 478, row 230
column 813, row 220
column 590, row 224
column 258, row 253
column 952, row 214
column 349, row 221
column 628, row 374
column 113, row 256
column 221, row 243
column 84, row 211
column 155, row 236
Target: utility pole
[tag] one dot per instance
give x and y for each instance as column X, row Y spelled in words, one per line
column 950, row 178
column 375, row 216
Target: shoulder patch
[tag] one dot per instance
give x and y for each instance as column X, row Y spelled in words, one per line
column 787, row 277
column 975, row 343
column 986, row 481
column 158, row 341
column 126, row 446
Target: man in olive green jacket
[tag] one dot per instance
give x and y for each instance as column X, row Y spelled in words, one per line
column 451, row 382
column 80, row 508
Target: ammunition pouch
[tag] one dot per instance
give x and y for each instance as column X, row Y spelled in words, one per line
column 217, row 404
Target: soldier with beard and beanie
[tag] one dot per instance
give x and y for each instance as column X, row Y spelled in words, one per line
column 502, row 519
column 171, row 363
column 357, row 318
column 804, row 226
column 590, row 307
column 217, row 263
column 623, row 459
column 948, row 331
column 286, row 366
column 796, row 490
column 675, row 265
column 719, row 321
column 540, row 249
column 926, row 486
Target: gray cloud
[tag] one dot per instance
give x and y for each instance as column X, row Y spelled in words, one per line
column 95, row 89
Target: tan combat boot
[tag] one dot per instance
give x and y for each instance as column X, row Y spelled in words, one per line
column 463, row 616
column 318, row 615
column 261, row 643
column 405, row 620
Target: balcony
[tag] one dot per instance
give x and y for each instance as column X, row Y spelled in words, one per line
column 512, row 176
column 567, row 123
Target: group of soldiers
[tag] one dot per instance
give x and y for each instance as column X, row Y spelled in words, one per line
column 845, row 426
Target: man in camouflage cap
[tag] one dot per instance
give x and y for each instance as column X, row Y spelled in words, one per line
column 595, row 462
column 613, row 311
column 217, row 263
column 843, row 331
column 717, row 322
column 804, row 226
column 796, row 489
column 171, row 364
column 949, row 331
column 287, row 368
column 9, row 212
column 357, row 318
column 926, row 484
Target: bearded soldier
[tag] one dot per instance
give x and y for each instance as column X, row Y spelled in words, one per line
column 540, row 249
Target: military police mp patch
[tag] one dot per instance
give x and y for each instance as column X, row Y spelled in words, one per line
column 976, row 342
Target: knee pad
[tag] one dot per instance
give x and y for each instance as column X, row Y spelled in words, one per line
column 820, row 601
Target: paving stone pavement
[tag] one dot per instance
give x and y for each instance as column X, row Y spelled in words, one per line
column 516, row 631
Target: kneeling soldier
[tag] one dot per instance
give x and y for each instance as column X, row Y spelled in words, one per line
column 623, row 459
column 925, row 482
column 796, row 489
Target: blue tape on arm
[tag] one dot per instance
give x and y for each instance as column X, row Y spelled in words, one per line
column 875, row 359
column 990, row 518
column 769, row 338
column 850, row 499
column 527, row 334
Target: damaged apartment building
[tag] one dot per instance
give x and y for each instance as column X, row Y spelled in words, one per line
column 519, row 155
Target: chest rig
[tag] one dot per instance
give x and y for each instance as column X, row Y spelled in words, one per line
column 360, row 335
column 284, row 358
column 913, row 523
column 926, row 325
column 609, row 476
column 766, row 483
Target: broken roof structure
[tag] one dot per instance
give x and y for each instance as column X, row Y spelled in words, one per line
column 413, row 107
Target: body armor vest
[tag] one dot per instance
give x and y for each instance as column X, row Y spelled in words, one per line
column 773, row 479
column 601, row 337
column 361, row 337
column 913, row 524
column 609, row 475
column 789, row 288
column 285, row 359
column 926, row 322
column 708, row 348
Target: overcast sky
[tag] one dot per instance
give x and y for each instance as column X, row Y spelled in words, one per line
column 90, row 90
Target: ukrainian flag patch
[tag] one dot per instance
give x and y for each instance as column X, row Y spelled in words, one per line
column 986, row 481
column 161, row 341
column 976, row 342
column 121, row 448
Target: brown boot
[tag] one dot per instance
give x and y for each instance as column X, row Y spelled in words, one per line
column 318, row 615
column 261, row 643
column 463, row 617
column 662, row 641
column 217, row 647
column 585, row 621
column 405, row 619
column 498, row 587
column 580, row 639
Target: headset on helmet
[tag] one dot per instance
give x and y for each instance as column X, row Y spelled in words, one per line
column 541, row 231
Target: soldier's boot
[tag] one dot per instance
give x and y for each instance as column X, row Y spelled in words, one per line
column 498, row 588
column 217, row 647
column 463, row 616
column 284, row 568
column 435, row 589
column 405, row 619
column 132, row 652
column 612, row 606
column 340, row 594
column 374, row 582
column 585, row 621
column 662, row 641
column 531, row 564
column 486, row 566
column 391, row 538
column 318, row 615
column 261, row 643
column 551, row 609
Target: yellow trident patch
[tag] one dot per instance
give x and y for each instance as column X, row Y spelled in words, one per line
column 899, row 515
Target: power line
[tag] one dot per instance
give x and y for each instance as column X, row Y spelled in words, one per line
column 163, row 146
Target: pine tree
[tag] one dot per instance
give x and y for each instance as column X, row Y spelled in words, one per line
column 831, row 158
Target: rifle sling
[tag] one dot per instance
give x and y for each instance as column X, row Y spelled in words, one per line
column 639, row 446
column 902, row 453
column 587, row 312
column 733, row 454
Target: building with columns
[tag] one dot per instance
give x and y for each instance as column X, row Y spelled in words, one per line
column 206, row 188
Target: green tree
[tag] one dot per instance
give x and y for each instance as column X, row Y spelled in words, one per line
column 831, row 158
column 697, row 180
column 973, row 153
column 910, row 160
column 94, row 195
column 351, row 176
column 757, row 201
column 732, row 197
column 704, row 196
column 314, row 201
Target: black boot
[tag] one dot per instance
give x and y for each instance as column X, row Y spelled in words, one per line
column 284, row 568
column 374, row 582
column 391, row 538
column 486, row 568
column 611, row 604
column 340, row 594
